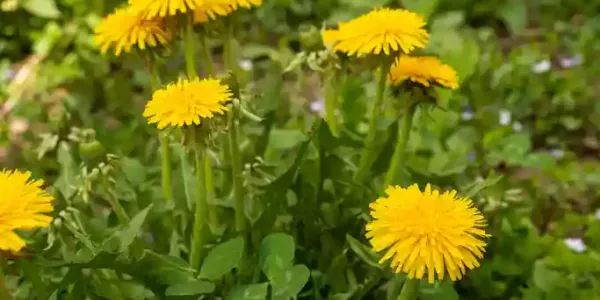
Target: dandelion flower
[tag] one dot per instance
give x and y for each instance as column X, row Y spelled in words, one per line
column 427, row 232
column 126, row 28
column 211, row 9
column 23, row 205
column 162, row 8
column 425, row 70
column 244, row 3
column 382, row 30
column 187, row 102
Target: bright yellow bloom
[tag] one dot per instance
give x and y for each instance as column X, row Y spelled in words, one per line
column 163, row 8
column 187, row 102
column 424, row 70
column 244, row 3
column 22, row 205
column 427, row 232
column 126, row 28
column 211, row 9
column 382, row 30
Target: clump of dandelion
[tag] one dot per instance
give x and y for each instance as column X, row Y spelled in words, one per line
column 24, row 206
column 427, row 233
column 126, row 28
column 425, row 70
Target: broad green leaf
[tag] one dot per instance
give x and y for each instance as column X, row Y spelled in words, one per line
column 290, row 282
column 134, row 171
column 67, row 181
column 276, row 253
column 257, row 291
column 42, row 8
column 222, row 259
column 365, row 253
column 190, row 288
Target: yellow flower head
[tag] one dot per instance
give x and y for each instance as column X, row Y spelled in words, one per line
column 427, row 231
column 424, row 70
column 211, row 9
column 186, row 102
column 22, row 206
column 126, row 28
column 382, row 30
column 163, row 8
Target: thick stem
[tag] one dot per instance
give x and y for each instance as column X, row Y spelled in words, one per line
column 114, row 202
column 199, row 231
column 4, row 292
column 399, row 157
column 368, row 153
column 236, row 167
column 213, row 214
column 189, row 49
column 165, row 165
column 209, row 67
column 234, row 149
column 165, row 150
column 410, row 290
column 331, row 101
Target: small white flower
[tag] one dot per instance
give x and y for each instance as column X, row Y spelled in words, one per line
column 597, row 215
column 317, row 106
column 557, row 153
column 575, row 244
column 569, row 62
column 505, row 117
column 467, row 115
column 542, row 67
column 517, row 126
column 18, row 126
column 246, row 64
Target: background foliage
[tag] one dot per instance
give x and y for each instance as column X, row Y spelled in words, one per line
column 521, row 137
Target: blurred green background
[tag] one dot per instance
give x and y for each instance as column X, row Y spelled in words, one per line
column 528, row 109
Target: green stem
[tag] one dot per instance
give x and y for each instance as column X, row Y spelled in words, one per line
column 399, row 157
column 331, row 102
column 114, row 202
column 236, row 167
column 190, row 51
column 199, row 231
column 410, row 290
column 234, row 149
column 369, row 151
column 207, row 62
column 4, row 292
column 165, row 150
column 213, row 214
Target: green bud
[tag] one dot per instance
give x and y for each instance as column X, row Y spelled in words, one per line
column 91, row 150
column 310, row 38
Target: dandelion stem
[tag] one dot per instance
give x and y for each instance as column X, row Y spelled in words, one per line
column 369, row 151
column 331, row 101
column 165, row 150
column 199, row 230
column 233, row 124
column 213, row 214
column 4, row 293
column 114, row 202
column 189, row 49
column 207, row 62
column 410, row 290
column 399, row 157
